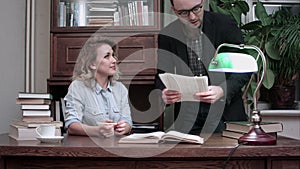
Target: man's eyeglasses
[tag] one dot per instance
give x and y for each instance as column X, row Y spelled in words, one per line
column 185, row 13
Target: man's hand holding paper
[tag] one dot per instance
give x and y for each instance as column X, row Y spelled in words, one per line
column 182, row 88
column 213, row 94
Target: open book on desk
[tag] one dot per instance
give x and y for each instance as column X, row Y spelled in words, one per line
column 161, row 137
column 186, row 85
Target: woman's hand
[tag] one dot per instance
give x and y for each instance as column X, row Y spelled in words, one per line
column 122, row 128
column 106, row 129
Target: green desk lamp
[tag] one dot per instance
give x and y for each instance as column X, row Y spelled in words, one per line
column 243, row 63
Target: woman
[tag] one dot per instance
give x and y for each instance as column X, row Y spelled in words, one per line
column 96, row 104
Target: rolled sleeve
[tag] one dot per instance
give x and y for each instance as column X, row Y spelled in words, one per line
column 74, row 106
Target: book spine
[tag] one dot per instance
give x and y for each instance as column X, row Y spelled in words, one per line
column 57, row 110
column 145, row 15
column 76, row 13
column 82, row 14
column 35, row 96
column 61, row 14
column 116, row 18
column 68, row 13
column 36, row 113
column 139, row 5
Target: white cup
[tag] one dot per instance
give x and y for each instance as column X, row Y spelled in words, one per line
column 46, row 130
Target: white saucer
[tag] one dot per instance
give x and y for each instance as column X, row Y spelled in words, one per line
column 55, row 139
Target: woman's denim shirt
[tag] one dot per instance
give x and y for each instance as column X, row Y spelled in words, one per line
column 91, row 105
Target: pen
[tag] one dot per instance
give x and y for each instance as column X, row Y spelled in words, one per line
column 107, row 123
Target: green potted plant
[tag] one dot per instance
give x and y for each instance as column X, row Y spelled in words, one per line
column 278, row 36
column 233, row 8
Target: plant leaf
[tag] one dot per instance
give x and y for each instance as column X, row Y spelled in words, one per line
column 252, row 25
column 272, row 51
column 260, row 11
column 243, row 6
column 269, row 79
column 236, row 14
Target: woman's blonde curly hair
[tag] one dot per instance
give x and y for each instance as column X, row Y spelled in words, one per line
column 87, row 56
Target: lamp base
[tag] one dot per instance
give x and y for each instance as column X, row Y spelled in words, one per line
column 256, row 136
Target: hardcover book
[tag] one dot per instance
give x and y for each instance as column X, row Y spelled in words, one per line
column 245, row 126
column 31, row 124
column 35, row 95
column 35, row 107
column 18, row 132
column 32, row 101
column 41, row 119
column 37, row 113
column 161, row 137
column 145, row 128
column 237, row 135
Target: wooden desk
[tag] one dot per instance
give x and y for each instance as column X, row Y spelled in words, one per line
column 84, row 152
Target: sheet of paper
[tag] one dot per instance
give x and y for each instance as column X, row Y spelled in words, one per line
column 186, row 85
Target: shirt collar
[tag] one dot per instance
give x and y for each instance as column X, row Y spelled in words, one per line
column 99, row 88
column 192, row 36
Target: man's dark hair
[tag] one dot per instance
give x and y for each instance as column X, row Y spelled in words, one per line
column 172, row 3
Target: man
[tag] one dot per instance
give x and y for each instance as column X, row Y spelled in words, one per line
column 186, row 47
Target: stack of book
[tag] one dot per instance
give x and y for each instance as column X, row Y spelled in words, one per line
column 36, row 110
column 136, row 13
column 102, row 12
column 35, row 107
column 72, row 13
column 236, row 129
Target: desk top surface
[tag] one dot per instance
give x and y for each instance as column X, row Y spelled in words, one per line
column 81, row 146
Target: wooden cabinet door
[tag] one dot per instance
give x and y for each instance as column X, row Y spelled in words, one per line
column 65, row 49
column 137, row 54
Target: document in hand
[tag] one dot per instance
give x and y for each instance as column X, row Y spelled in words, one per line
column 186, row 85
column 161, row 137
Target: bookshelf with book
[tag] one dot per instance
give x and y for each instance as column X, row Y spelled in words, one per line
column 236, row 129
column 110, row 13
column 132, row 24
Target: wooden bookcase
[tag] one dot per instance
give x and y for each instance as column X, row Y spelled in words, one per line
column 74, row 21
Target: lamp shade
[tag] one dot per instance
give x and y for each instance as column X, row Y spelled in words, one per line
column 233, row 63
